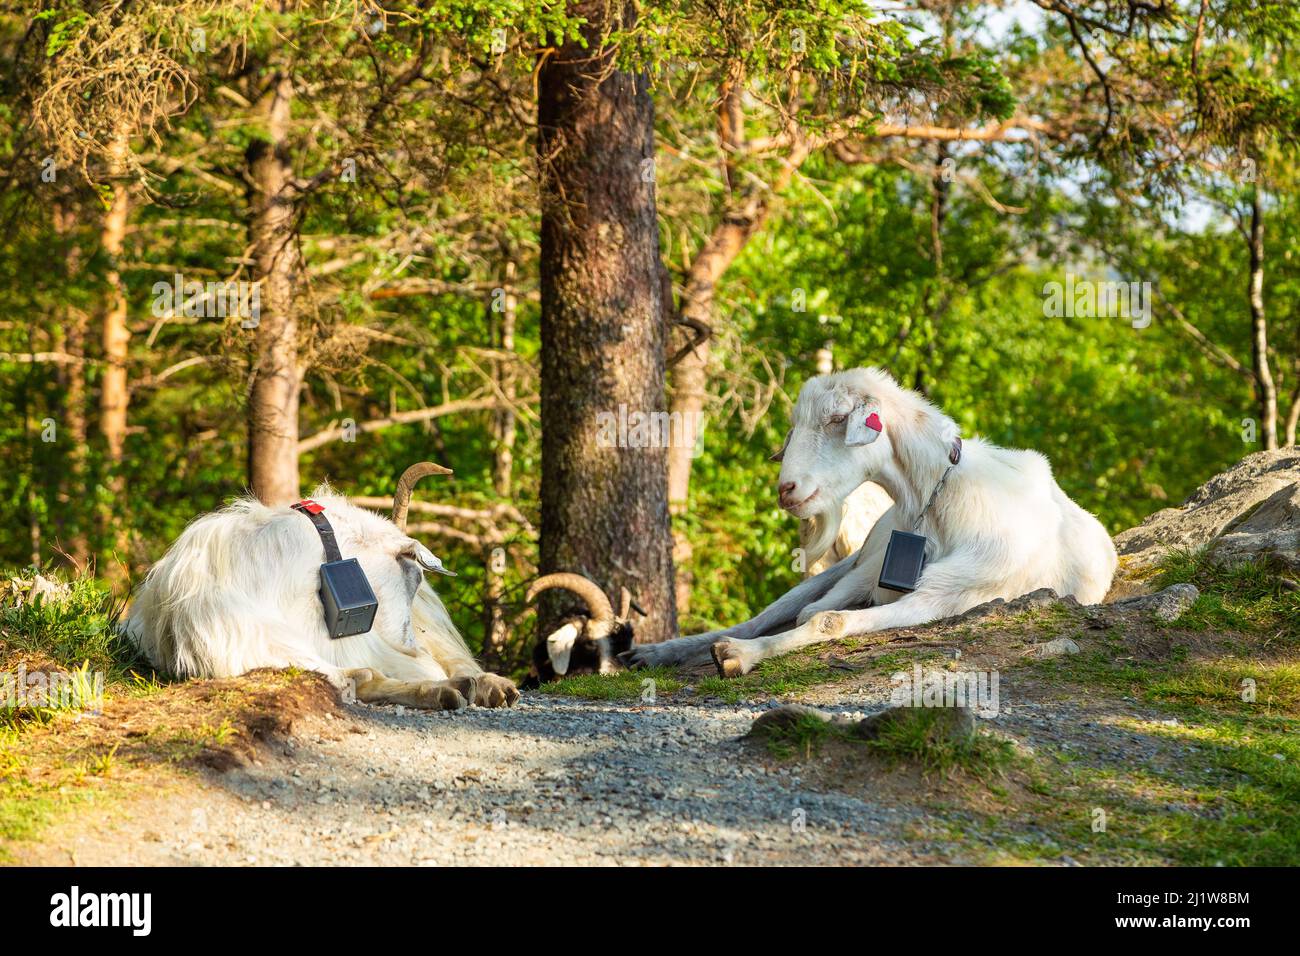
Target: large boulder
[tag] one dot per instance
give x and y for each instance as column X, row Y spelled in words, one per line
column 1252, row 510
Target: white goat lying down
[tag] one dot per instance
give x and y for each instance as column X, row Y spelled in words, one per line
column 239, row 590
column 996, row 523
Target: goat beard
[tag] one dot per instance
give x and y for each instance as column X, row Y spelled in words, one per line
column 819, row 532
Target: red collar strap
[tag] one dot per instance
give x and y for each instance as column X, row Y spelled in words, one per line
column 316, row 513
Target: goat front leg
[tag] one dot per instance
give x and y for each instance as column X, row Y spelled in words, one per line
column 374, row 688
column 780, row 613
column 929, row 602
column 493, row 690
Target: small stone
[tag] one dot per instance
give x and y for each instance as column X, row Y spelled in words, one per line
column 1055, row 648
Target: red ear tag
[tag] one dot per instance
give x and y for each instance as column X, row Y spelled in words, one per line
column 873, row 422
column 311, row 507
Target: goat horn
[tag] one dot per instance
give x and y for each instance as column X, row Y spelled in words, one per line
column 597, row 601
column 406, row 484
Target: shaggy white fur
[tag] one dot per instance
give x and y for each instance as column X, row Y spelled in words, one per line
column 239, row 590
column 1000, row 527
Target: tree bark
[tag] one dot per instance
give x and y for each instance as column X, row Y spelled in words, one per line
column 1265, row 388
column 604, row 509
column 273, row 398
column 1293, row 416
column 75, row 488
column 503, row 419
column 114, row 393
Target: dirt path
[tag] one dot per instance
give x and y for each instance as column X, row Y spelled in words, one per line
column 553, row 781
column 1145, row 726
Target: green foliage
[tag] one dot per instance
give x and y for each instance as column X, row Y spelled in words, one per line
column 76, row 630
column 926, row 739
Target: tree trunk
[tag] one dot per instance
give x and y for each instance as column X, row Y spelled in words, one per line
column 1293, row 416
column 273, row 398
column 604, row 509
column 503, row 419
column 114, row 393
column 494, row 618
column 1265, row 388
column 75, row 490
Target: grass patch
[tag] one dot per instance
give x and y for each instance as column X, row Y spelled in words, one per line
column 925, row 739
column 922, row 737
column 1251, row 597
column 775, row 678
column 802, row 737
column 64, row 648
column 1221, row 782
column 76, row 629
column 624, row 685
column 1230, row 804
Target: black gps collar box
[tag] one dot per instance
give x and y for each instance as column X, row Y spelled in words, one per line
column 904, row 561
column 350, row 603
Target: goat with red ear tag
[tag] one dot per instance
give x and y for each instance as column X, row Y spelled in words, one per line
column 970, row 523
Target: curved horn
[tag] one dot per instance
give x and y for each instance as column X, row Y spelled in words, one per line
column 405, row 484
column 597, row 602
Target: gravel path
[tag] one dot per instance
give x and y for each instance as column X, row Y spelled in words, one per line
column 553, row 781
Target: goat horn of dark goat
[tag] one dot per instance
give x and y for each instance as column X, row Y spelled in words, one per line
column 406, row 484
column 597, row 602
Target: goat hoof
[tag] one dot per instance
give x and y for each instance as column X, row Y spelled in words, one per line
column 829, row 623
column 495, row 691
column 638, row 657
column 441, row 696
column 726, row 657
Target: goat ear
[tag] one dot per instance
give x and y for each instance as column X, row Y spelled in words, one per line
column 863, row 426
column 559, row 647
column 430, row 561
column 780, row 455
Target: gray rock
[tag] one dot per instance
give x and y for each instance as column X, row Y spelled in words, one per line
column 1167, row 605
column 1056, row 648
column 1043, row 597
column 786, row 716
column 1250, row 510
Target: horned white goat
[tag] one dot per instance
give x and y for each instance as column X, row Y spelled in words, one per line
column 239, row 588
column 997, row 524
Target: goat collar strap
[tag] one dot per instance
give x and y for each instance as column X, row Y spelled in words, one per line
column 316, row 513
column 954, row 456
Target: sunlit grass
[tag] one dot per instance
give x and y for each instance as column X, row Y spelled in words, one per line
column 623, row 685
column 776, row 677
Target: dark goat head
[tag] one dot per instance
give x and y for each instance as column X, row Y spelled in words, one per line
column 582, row 644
